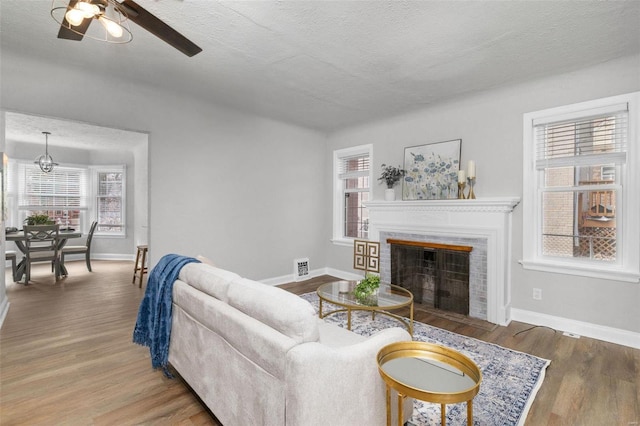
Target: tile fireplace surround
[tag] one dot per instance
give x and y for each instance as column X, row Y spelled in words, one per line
column 484, row 224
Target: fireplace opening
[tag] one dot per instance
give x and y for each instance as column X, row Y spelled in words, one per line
column 436, row 274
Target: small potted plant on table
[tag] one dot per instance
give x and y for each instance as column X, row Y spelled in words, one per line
column 390, row 176
column 366, row 291
column 38, row 219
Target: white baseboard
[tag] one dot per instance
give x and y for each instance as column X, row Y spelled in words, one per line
column 4, row 309
column 102, row 256
column 283, row 279
column 312, row 274
column 594, row 331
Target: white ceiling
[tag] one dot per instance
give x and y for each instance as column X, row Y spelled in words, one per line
column 72, row 134
column 331, row 64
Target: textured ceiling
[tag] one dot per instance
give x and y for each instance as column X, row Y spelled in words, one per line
column 28, row 128
column 331, row 64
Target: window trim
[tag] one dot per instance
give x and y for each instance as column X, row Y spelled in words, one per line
column 338, row 190
column 627, row 267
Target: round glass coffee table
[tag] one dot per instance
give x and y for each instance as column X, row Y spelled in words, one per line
column 390, row 297
column 430, row 373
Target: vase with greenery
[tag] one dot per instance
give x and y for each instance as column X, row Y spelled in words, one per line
column 38, row 219
column 391, row 176
column 366, row 291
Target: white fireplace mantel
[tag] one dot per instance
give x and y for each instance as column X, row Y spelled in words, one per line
column 487, row 218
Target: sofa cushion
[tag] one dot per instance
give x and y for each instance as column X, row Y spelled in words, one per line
column 208, row 279
column 337, row 337
column 283, row 311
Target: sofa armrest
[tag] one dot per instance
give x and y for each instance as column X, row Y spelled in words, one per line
column 339, row 386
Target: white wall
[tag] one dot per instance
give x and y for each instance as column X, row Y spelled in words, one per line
column 490, row 126
column 242, row 190
column 254, row 194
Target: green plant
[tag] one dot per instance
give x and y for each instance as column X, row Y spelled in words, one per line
column 365, row 288
column 38, row 219
column 391, row 175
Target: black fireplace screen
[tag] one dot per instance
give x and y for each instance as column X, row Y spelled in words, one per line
column 437, row 277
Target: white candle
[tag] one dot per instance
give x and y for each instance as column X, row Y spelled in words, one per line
column 471, row 168
column 461, row 177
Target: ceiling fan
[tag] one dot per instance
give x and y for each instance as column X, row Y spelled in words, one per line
column 75, row 17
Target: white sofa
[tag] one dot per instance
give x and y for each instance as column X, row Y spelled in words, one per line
column 259, row 355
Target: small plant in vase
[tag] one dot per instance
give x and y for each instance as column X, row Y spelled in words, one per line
column 391, row 176
column 38, row 219
column 366, row 291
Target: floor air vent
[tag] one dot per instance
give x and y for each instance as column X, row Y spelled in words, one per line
column 301, row 269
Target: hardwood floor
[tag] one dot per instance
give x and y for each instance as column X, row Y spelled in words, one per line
column 66, row 357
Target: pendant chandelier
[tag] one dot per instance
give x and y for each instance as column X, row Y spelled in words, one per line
column 46, row 161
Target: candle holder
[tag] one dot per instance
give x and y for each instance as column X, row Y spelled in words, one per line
column 472, row 181
column 461, row 186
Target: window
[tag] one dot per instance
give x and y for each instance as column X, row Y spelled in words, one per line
column 352, row 178
column 110, row 200
column 581, row 189
column 61, row 194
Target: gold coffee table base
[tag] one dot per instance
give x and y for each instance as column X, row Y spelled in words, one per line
column 430, row 373
column 390, row 297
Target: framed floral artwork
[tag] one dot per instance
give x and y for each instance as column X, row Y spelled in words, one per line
column 431, row 171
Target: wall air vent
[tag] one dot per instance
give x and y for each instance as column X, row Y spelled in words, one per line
column 301, row 269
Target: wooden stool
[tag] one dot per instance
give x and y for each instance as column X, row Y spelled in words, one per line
column 141, row 264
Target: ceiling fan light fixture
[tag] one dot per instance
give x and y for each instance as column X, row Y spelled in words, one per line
column 88, row 9
column 112, row 27
column 72, row 15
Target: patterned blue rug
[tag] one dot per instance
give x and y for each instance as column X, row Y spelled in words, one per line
column 510, row 379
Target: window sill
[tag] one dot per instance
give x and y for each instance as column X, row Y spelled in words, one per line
column 109, row 235
column 591, row 271
column 342, row 242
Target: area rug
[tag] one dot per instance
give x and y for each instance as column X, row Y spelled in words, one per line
column 510, row 379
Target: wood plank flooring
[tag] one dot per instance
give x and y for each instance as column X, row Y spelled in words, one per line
column 66, row 357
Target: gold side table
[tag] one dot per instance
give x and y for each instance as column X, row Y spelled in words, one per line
column 430, row 373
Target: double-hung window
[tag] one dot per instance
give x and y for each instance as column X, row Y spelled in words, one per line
column 109, row 183
column 581, row 189
column 352, row 190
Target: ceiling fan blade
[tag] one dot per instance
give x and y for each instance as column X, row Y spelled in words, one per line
column 155, row 26
column 79, row 30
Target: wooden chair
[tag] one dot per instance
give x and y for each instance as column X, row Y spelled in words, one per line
column 12, row 256
column 41, row 243
column 86, row 249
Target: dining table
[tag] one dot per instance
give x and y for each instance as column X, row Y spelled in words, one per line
column 18, row 237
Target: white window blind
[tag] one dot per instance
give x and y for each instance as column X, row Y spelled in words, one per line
column 597, row 139
column 354, row 166
column 65, row 188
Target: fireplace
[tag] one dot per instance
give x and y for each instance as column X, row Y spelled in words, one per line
column 484, row 225
column 436, row 274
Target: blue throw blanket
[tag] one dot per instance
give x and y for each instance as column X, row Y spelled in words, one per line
column 153, row 326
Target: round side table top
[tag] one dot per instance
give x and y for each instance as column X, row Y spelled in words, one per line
column 429, row 372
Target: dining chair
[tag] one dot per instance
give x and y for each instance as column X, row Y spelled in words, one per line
column 41, row 244
column 12, row 256
column 86, row 249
